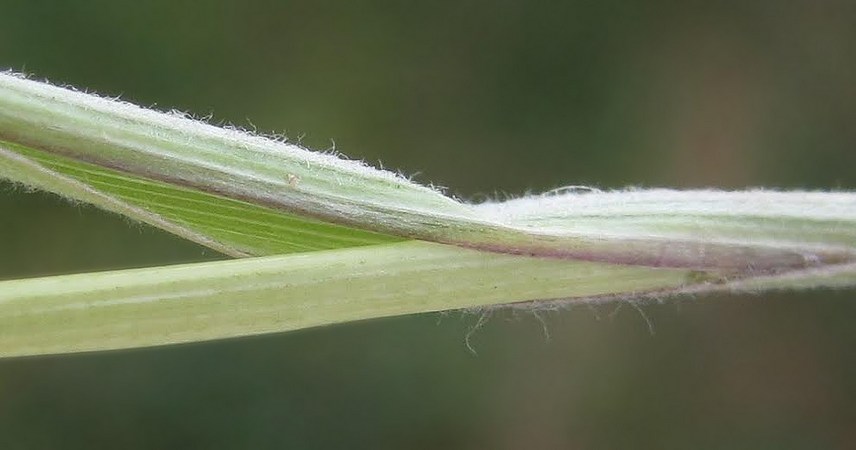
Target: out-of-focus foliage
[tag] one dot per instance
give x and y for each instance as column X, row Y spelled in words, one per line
column 517, row 96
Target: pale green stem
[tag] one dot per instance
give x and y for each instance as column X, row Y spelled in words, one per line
column 172, row 148
column 145, row 307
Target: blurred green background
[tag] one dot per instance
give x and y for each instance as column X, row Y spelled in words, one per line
column 489, row 99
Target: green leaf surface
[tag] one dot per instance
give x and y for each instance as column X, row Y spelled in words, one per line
column 194, row 302
column 238, row 228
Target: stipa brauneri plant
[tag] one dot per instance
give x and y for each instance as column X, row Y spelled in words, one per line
column 323, row 240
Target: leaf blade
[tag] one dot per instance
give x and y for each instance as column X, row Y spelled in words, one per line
column 230, row 226
column 203, row 301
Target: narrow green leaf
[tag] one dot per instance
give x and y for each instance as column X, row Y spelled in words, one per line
column 233, row 227
column 195, row 302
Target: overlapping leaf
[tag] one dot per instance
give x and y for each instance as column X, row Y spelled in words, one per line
column 350, row 230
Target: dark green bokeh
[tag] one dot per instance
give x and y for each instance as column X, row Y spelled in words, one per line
column 487, row 98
